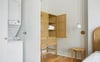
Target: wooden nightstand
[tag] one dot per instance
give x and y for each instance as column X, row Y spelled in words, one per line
column 77, row 51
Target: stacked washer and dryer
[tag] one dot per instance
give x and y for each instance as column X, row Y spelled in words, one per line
column 15, row 44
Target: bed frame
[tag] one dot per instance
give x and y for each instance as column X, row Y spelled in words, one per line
column 96, row 39
column 96, row 47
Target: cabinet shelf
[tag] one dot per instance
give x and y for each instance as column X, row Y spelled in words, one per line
column 51, row 23
column 51, row 49
column 52, row 30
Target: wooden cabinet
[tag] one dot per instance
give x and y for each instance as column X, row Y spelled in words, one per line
column 52, row 26
column 47, row 39
column 59, row 22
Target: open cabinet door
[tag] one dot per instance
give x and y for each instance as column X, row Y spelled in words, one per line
column 61, row 26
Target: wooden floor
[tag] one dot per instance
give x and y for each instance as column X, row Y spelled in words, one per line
column 55, row 58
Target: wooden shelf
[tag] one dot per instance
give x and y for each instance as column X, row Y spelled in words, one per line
column 52, row 30
column 52, row 21
column 51, row 49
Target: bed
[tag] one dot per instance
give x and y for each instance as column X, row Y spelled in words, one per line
column 95, row 56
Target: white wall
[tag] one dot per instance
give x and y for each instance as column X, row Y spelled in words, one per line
column 3, row 29
column 31, row 25
column 44, row 5
column 76, row 13
column 93, row 20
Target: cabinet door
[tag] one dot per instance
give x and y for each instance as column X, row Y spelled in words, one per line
column 61, row 26
column 3, row 30
column 44, row 28
column 44, row 24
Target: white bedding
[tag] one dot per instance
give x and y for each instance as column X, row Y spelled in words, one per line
column 95, row 57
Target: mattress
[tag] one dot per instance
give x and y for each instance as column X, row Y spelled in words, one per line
column 95, row 57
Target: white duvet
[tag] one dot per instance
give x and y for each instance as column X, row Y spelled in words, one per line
column 95, row 57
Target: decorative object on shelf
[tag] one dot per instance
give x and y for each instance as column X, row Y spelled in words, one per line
column 51, row 27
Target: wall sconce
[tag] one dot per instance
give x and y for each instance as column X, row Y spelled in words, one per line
column 82, row 32
column 79, row 26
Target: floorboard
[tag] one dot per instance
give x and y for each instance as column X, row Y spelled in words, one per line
column 56, row 58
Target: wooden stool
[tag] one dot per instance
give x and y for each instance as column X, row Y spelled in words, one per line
column 75, row 52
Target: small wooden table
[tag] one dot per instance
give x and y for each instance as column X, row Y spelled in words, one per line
column 75, row 52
